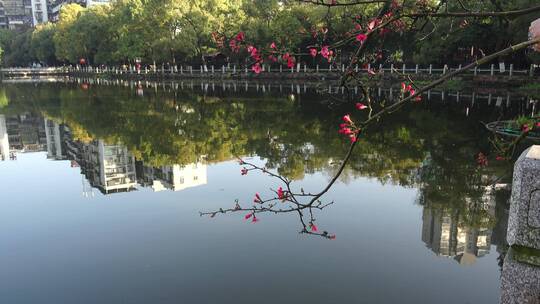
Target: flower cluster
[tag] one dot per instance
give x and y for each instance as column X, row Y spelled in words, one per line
column 235, row 43
column 481, row 159
column 291, row 61
column 407, row 88
column 348, row 128
column 327, row 53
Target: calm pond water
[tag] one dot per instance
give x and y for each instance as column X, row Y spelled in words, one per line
column 102, row 186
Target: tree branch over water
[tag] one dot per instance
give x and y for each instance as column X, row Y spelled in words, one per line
column 287, row 201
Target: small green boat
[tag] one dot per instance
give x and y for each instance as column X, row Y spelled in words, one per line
column 511, row 129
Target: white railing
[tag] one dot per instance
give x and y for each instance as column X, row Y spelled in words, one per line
column 492, row 70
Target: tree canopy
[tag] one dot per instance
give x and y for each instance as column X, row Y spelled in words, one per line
column 176, row 31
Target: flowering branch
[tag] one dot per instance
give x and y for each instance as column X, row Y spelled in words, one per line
column 282, row 201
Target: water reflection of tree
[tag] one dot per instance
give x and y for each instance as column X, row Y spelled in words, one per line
column 294, row 137
column 419, row 148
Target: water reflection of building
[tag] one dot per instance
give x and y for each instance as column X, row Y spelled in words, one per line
column 4, row 140
column 21, row 133
column 111, row 168
column 445, row 233
column 175, row 177
column 55, row 142
column 108, row 167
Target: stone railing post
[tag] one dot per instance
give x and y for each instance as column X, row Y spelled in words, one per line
column 524, row 218
column 520, row 277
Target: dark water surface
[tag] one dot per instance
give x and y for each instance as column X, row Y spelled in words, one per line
column 102, row 187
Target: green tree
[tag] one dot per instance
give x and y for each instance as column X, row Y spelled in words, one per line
column 66, row 41
column 42, row 43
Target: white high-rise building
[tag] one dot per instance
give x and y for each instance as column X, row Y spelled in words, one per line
column 39, row 12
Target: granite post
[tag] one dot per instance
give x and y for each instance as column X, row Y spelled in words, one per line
column 524, row 218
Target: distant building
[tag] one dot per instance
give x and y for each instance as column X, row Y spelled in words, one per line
column 39, row 12
column 17, row 14
column 3, row 18
column 56, row 5
column 174, row 177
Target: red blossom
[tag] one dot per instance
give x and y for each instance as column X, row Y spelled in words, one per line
column 313, row 52
column 325, row 52
column 256, row 68
column 525, row 128
column 248, row 216
column 360, row 106
column 361, row 38
column 281, row 193
column 240, row 36
column 313, row 227
column 332, row 236
column 244, row 171
column 290, row 62
column 254, row 219
column 347, row 118
column 372, row 24
column 257, row 198
column 481, row 159
column 500, row 157
column 345, row 131
column 234, row 47
column 403, row 87
column 273, row 45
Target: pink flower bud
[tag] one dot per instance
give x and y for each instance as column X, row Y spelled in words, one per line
column 361, row 38
column 361, row 106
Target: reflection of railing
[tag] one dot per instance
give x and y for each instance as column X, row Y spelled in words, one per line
column 266, row 69
column 29, row 72
column 498, row 98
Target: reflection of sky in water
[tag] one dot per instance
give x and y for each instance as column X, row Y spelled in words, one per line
column 146, row 246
